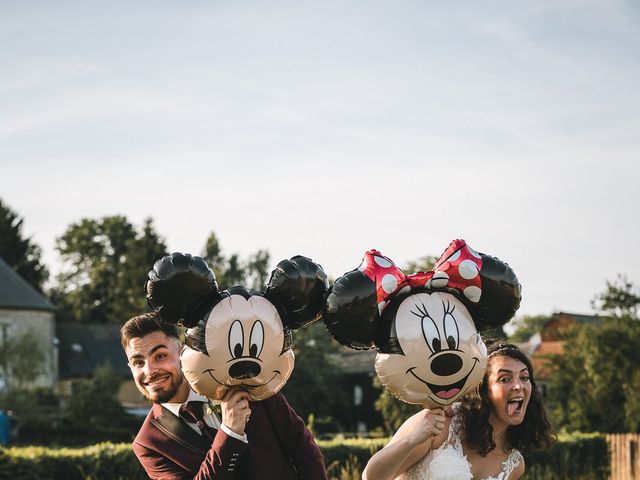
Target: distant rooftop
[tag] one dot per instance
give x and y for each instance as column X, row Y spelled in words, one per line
column 83, row 348
column 16, row 293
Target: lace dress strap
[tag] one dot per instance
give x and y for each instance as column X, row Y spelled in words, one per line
column 512, row 461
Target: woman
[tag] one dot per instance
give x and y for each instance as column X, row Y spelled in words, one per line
column 483, row 437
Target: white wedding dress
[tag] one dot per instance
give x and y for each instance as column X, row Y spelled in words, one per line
column 448, row 462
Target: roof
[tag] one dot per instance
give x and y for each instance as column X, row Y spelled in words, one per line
column 355, row 361
column 16, row 293
column 581, row 318
column 83, row 348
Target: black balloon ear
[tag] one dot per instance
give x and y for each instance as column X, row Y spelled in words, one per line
column 351, row 310
column 501, row 294
column 182, row 289
column 298, row 286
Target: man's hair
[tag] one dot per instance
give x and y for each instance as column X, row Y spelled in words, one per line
column 142, row 325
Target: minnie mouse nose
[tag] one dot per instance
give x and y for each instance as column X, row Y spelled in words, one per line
column 244, row 369
column 446, row 364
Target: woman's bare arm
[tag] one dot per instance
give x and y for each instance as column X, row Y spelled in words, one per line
column 411, row 442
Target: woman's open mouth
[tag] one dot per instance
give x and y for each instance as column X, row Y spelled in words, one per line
column 514, row 406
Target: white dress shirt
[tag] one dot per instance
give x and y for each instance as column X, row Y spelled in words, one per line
column 210, row 416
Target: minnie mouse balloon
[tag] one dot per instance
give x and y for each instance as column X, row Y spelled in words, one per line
column 426, row 330
column 239, row 338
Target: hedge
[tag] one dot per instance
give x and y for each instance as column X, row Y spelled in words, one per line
column 577, row 456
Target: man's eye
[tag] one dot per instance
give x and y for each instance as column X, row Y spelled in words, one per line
column 137, row 364
column 161, row 356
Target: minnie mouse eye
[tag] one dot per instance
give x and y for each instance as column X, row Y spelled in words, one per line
column 256, row 339
column 236, row 339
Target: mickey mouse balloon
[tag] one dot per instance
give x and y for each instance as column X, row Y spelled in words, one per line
column 237, row 338
column 425, row 326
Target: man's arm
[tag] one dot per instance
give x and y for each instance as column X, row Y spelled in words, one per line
column 296, row 439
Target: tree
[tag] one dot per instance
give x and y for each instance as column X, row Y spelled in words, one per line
column 232, row 271
column 422, row 264
column 594, row 383
column 394, row 412
column 106, row 267
column 621, row 298
column 92, row 411
column 19, row 252
column 22, row 360
column 314, row 386
column 527, row 326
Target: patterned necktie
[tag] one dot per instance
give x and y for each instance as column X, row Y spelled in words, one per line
column 192, row 412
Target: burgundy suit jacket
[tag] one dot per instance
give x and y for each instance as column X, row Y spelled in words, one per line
column 280, row 447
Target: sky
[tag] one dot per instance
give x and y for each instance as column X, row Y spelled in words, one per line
column 330, row 128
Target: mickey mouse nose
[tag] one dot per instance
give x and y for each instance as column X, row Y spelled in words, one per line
column 244, row 369
column 446, row 364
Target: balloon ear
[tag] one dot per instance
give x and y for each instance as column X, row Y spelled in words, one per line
column 351, row 310
column 298, row 286
column 501, row 294
column 181, row 288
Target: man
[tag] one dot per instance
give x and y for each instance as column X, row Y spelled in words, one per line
column 263, row 440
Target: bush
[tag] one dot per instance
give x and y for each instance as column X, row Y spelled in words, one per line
column 576, row 456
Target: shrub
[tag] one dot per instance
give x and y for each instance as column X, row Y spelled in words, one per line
column 576, row 456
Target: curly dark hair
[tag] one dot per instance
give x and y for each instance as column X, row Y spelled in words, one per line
column 533, row 433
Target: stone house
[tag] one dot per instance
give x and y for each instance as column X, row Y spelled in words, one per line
column 25, row 311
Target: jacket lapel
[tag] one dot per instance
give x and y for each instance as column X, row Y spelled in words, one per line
column 178, row 430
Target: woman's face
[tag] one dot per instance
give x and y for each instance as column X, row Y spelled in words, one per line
column 509, row 389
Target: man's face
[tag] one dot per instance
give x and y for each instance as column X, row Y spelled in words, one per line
column 154, row 361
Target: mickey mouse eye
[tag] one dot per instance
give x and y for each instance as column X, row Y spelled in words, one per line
column 256, row 339
column 236, row 339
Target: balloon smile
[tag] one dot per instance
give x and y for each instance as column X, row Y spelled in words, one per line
column 445, row 392
column 244, row 385
column 276, row 373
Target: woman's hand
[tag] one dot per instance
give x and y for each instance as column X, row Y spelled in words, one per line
column 430, row 425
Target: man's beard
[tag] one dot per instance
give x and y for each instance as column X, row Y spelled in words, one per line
column 164, row 395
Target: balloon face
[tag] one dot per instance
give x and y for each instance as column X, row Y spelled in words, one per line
column 442, row 356
column 247, row 349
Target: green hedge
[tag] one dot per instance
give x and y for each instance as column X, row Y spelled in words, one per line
column 581, row 457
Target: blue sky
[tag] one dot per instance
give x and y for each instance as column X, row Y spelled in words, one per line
column 328, row 128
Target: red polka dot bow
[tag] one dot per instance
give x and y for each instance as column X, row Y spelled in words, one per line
column 457, row 268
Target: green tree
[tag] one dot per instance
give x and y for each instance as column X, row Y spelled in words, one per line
column 232, row 271
column 590, row 381
column 22, row 360
column 394, row 412
column 527, row 326
column 92, row 411
column 621, row 298
column 423, row 264
column 106, row 264
column 595, row 381
column 314, row 385
column 19, row 252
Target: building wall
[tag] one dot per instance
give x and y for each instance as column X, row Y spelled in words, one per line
column 15, row 323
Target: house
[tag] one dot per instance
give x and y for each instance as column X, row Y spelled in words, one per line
column 25, row 314
column 550, row 341
column 83, row 348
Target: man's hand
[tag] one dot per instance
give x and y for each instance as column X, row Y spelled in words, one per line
column 235, row 410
